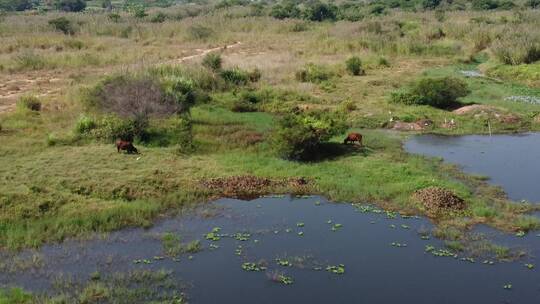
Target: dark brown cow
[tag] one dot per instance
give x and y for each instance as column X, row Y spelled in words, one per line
column 127, row 146
column 353, row 137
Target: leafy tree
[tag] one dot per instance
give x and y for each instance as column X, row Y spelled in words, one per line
column 16, row 5
column 70, row 5
column 533, row 3
column 436, row 92
column 63, row 25
column 301, row 136
column 285, row 10
column 430, row 4
column 320, row 11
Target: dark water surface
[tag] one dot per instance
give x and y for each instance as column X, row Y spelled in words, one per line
column 511, row 161
column 375, row 270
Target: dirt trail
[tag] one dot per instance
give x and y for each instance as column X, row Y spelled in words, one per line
column 51, row 83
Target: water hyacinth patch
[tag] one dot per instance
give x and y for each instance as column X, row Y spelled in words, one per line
column 507, row 286
column 520, row 233
column 242, row 236
column 249, row 266
column 524, row 98
column 335, row 227
column 283, row 262
column 213, row 235
column 440, row 252
column 300, row 224
column 399, row 245
column 529, row 266
column 337, row 269
column 488, row 262
column 285, row 280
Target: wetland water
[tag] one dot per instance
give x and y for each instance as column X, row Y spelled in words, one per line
column 511, row 161
column 384, row 257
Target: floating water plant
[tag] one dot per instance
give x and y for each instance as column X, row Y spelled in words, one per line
column 213, row 246
column 213, row 235
column 399, row 245
column 425, row 237
column 392, row 226
column 520, row 233
column 405, row 226
column 529, row 266
column 249, row 266
column 317, row 203
column 335, row 227
column 242, row 236
column 507, row 286
column 337, row 269
column 301, row 233
column 468, row 259
column 329, row 222
column 283, row 262
column 440, row 252
column 300, row 224
column 488, row 262
column 288, row 230
column 158, row 258
column 285, row 280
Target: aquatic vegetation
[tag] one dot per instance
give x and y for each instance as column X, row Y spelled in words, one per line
column 213, row 246
column 337, row 269
column 300, row 224
column 399, row 245
column 468, row 259
column 242, row 236
column 520, row 233
column 439, row 252
column 405, row 226
column 317, row 203
column 529, row 266
column 283, row 262
column 507, row 286
column 250, row 266
column 213, row 235
column 488, row 262
column 301, row 233
column 392, row 226
column 173, row 246
column 335, row 227
column 285, row 280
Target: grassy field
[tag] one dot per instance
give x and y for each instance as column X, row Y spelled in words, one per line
column 53, row 187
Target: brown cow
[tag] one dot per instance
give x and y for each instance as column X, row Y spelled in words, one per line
column 352, row 138
column 127, row 146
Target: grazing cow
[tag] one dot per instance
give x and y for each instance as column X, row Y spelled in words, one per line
column 352, row 138
column 127, row 146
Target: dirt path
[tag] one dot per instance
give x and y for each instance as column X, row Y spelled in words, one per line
column 51, row 83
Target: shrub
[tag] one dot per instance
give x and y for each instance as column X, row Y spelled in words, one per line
column 184, row 135
column 354, row 66
column 111, row 127
column 319, row 11
column 62, row 24
column 200, row 32
column 159, row 18
column 435, row 92
column 287, row 10
column 430, row 4
column 533, row 3
column 235, row 76
column 212, row 61
column 28, row 60
column 70, row 5
column 517, row 48
column 485, row 4
column 314, row 73
column 114, row 17
column 84, row 125
column 31, row 103
column 16, row 5
column 300, row 136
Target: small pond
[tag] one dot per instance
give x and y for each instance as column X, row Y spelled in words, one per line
column 510, row 161
column 383, row 256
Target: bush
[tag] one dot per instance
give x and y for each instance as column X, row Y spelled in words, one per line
column 184, row 135
column 354, row 66
column 70, row 5
column 200, row 32
column 430, row 4
column 114, row 17
column 16, row 5
column 28, row 60
column 159, row 18
column 435, row 92
column 533, row 3
column 319, row 11
column 235, row 76
column 300, row 136
column 84, row 125
column 518, row 48
column 63, row 25
column 111, row 127
column 212, row 61
column 485, row 4
column 31, row 103
column 314, row 73
column 287, row 10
